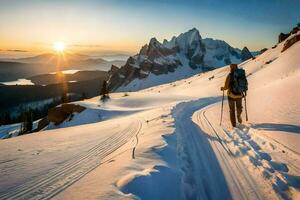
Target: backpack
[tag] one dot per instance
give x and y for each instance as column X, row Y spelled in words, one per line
column 238, row 82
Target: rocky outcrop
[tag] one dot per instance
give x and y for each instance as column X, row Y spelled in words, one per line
column 283, row 36
column 290, row 42
column 295, row 29
column 246, row 54
column 42, row 124
column 263, row 50
column 59, row 114
column 291, row 38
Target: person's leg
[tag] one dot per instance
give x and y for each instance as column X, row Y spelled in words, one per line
column 239, row 109
column 231, row 104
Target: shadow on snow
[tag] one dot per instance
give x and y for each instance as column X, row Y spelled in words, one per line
column 192, row 170
column 278, row 127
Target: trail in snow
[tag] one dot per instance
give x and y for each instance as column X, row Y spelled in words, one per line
column 241, row 183
column 203, row 177
column 48, row 185
column 250, row 152
column 208, row 165
column 212, row 163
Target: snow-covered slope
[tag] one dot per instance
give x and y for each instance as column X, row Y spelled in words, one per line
column 188, row 54
column 168, row 143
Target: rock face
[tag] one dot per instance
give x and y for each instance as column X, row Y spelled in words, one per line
column 263, row 50
column 283, row 36
column 113, row 69
column 290, row 42
column 59, row 114
column 246, row 54
column 188, row 50
column 219, row 53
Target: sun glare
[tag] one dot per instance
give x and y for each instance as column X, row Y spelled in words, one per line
column 59, row 46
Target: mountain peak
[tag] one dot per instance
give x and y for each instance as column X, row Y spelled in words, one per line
column 154, row 42
column 189, row 37
column 193, row 30
column 246, row 54
column 245, row 49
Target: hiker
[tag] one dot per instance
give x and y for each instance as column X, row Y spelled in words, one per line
column 236, row 85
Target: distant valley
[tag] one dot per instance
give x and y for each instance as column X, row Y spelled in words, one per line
column 13, row 69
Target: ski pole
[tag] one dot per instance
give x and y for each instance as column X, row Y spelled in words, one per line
column 246, row 106
column 222, row 108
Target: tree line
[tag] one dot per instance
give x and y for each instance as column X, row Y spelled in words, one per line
column 27, row 115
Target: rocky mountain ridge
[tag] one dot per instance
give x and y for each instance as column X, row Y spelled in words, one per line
column 188, row 50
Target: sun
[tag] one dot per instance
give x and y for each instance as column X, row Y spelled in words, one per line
column 59, row 47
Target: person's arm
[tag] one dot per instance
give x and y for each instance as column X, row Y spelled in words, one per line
column 226, row 85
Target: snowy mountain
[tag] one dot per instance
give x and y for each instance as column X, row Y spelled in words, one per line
column 180, row 57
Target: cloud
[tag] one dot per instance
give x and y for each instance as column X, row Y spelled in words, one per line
column 13, row 50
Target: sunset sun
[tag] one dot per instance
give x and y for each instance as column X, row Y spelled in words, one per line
column 59, row 46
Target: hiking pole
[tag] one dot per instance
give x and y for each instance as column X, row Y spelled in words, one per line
column 222, row 108
column 246, row 106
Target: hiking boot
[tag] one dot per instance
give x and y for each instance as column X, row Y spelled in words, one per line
column 240, row 119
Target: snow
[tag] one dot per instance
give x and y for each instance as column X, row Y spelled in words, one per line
column 166, row 142
column 21, row 81
column 171, row 59
column 6, row 130
column 92, row 114
column 143, row 72
column 170, row 44
column 219, row 48
column 152, row 79
column 185, row 40
column 12, row 130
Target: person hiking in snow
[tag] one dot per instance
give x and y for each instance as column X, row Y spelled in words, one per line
column 236, row 85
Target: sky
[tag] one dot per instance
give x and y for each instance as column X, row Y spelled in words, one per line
column 123, row 26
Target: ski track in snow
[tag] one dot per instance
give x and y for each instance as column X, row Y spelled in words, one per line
column 207, row 167
column 56, row 180
column 215, row 163
column 209, row 170
column 256, row 161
